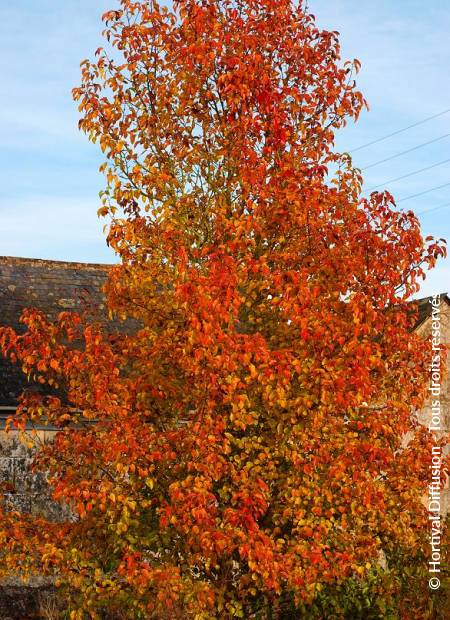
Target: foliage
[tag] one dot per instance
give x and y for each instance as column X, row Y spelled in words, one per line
column 240, row 453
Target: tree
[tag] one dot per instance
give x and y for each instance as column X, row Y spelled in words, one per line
column 240, row 454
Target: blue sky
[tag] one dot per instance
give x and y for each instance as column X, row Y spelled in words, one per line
column 49, row 180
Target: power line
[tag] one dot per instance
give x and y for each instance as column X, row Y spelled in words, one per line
column 434, row 209
column 427, row 191
column 414, row 148
column 394, row 133
column 410, row 174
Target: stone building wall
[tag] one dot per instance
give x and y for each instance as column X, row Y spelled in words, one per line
column 24, row 490
column 425, row 416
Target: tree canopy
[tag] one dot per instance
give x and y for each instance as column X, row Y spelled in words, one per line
column 241, row 453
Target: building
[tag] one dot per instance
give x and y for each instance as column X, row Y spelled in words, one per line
column 50, row 286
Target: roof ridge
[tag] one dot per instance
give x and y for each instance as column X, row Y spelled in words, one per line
column 46, row 261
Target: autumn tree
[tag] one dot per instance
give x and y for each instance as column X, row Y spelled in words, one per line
column 241, row 452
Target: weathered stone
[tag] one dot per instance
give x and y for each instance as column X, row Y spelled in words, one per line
column 26, row 490
column 18, row 502
column 12, row 446
column 27, row 481
column 42, row 505
column 425, row 329
column 21, row 602
column 6, row 470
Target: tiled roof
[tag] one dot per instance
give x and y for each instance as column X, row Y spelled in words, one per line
column 424, row 307
column 50, row 286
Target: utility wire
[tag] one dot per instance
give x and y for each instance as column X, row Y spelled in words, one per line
column 434, row 209
column 394, row 133
column 410, row 174
column 427, row 191
column 414, row 148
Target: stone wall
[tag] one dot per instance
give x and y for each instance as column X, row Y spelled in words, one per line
column 425, row 416
column 18, row 602
column 24, row 490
